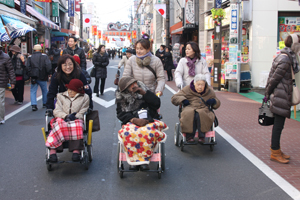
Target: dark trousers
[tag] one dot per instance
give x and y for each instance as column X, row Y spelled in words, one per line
column 170, row 76
column 276, row 131
column 196, row 126
column 96, row 87
column 72, row 145
column 18, row 91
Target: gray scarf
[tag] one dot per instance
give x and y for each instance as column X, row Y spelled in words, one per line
column 295, row 62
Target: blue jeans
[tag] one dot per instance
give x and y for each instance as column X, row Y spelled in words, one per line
column 33, row 89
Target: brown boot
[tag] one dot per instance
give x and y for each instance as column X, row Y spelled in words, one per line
column 285, row 156
column 276, row 155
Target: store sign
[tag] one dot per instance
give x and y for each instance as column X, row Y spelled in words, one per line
column 24, row 48
column 189, row 14
column 287, row 26
column 47, row 1
column 71, row 8
column 57, row 39
column 77, row 5
column 23, row 6
column 55, row 9
column 231, row 70
column 9, row 3
column 234, row 24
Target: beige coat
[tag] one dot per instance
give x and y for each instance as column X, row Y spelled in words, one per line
column 196, row 104
column 65, row 106
column 145, row 75
column 123, row 61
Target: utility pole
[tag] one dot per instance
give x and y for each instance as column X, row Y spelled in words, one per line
column 81, row 24
column 167, row 23
column 217, row 52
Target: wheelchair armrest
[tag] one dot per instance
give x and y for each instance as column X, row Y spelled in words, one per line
column 49, row 113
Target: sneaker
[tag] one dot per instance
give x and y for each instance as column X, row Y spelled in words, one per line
column 16, row 102
column 75, row 157
column 2, row 122
column 44, row 106
column 34, row 108
column 20, row 103
column 53, row 158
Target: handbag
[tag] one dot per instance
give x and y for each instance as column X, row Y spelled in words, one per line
column 93, row 72
column 265, row 116
column 116, row 81
column 93, row 115
column 296, row 92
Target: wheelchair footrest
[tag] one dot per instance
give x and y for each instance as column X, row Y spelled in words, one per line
column 155, row 157
column 208, row 143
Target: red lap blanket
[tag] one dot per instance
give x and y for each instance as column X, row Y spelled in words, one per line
column 62, row 131
column 139, row 142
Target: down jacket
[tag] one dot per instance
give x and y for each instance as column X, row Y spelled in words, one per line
column 80, row 52
column 196, row 104
column 144, row 75
column 6, row 70
column 39, row 65
column 182, row 76
column 65, row 106
column 100, row 63
column 279, row 88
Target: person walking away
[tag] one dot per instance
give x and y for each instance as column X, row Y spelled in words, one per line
column 18, row 62
column 160, row 53
column 190, row 66
column 100, row 61
column 279, row 91
column 39, row 67
column 146, row 67
column 7, row 74
column 169, row 65
column 54, row 56
column 73, row 49
column 113, row 53
column 125, row 59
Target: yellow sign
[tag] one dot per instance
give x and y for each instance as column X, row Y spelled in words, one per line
column 281, row 44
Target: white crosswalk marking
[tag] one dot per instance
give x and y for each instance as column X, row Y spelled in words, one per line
column 103, row 102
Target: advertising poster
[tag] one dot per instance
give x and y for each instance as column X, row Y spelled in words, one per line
column 287, row 26
column 231, row 70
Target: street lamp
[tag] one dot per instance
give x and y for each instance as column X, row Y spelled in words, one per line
column 81, row 23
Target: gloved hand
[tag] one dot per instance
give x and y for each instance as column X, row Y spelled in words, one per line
column 265, row 99
column 70, row 117
column 179, row 86
column 139, row 90
column 211, row 102
column 140, row 122
column 186, row 102
column 49, row 112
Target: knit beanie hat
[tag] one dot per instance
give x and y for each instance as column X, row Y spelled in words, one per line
column 125, row 82
column 76, row 85
column 76, row 58
column 15, row 48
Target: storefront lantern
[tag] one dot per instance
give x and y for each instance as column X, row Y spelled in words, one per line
column 110, row 33
column 117, row 33
column 114, row 33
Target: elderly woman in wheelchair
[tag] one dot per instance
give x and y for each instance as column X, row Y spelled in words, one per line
column 198, row 100
column 141, row 131
column 68, row 124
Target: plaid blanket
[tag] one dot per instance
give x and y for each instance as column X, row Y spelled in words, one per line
column 139, row 142
column 62, row 131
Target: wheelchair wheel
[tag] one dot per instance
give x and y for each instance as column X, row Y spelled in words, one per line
column 211, row 147
column 49, row 167
column 181, row 145
column 86, row 162
column 159, row 171
column 176, row 134
column 121, row 167
column 90, row 152
column 163, row 156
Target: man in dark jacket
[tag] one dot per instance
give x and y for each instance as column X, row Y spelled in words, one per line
column 73, row 49
column 54, row 56
column 39, row 67
column 6, row 73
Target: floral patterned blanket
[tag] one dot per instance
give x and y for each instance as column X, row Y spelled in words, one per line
column 139, row 142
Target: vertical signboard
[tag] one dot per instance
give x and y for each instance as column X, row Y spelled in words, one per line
column 94, row 30
column 77, row 5
column 9, row 3
column 189, row 21
column 23, row 6
column 55, row 9
column 234, row 24
column 71, row 8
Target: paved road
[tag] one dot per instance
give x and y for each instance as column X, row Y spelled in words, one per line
column 195, row 173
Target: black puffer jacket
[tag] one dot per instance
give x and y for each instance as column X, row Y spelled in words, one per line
column 56, row 55
column 279, row 88
column 6, row 70
column 39, row 65
column 168, row 61
column 80, row 52
column 101, row 62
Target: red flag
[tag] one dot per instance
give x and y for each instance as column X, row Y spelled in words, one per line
column 77, row 5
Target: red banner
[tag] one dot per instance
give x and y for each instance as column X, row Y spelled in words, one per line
column 46, row 1
column 99, row 34
column 134, row 34
column 94, row 30
column 77, row 5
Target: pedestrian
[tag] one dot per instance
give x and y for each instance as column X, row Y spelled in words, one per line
column 67, row 69
column 100, row 61
column 169, row 65
column 279, row 91
column 190, row 66
column 113, row 53
column 124, row 50
column 125, row 59
column 54, row 54
column 160, row 53
column 146, row 67
column 73, row 49
column 7, row 74
column 39, row 67
column 18, row 62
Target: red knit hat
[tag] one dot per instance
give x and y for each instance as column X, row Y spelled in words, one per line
column 76, row 85
column 77, row 59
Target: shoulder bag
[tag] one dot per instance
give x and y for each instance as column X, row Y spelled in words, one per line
column 296, row 92
column 265, row 116
column 152, row 70
column 93, row 115
column 93, row 72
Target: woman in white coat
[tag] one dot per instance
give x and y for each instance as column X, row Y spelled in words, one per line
column 190, row 66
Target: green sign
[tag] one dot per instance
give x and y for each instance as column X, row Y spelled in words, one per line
column 9, row 3
column 55, row 9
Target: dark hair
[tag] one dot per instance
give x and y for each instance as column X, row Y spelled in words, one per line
column 195, row 48
column 61, row 76
column 289, row 40
column 74, row 38
column 54, row 45
column 163, row 46
column 100, row 47
column 144, row 42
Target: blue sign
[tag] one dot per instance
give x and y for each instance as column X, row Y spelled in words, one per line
column 218, row 3
column 57, row 39
column 234, row 19
column 71, row 9
column 23, row 6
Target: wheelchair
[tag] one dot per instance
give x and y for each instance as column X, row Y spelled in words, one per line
column 86, row 155
column 180, row 138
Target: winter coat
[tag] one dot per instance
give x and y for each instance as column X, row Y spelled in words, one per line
column 144, row 75
column 168, row 61
column 57, row 87
column 6, row 70
column 38, row 65
column 279, row 88
column 80, row 52
column 158, row 54
column 65, row 106
column 17, row 62
column 182, row 76
column 196, row 104
column 123, row 61
column 100, row 63
column 56, row 55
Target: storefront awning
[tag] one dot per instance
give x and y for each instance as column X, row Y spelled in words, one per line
column 3, row 34
column 4, row 10
column 59, row 34
column 43, row 20
column 177, row 31
column 175, row 27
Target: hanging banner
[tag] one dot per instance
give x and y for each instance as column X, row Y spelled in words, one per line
column 189, row 10
column 87, row 20
column 55, row 9
column 161, row 9
column 46, row 1
column 23, row 6
column 77, row 5
column 3, row 34
column 134, row 34
column 94, row 30
column 71, row 8
column 99, row 34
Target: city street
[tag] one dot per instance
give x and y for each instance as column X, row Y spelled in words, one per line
column 195, row 173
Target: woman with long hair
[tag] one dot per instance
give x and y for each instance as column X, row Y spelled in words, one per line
column 100, row 61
